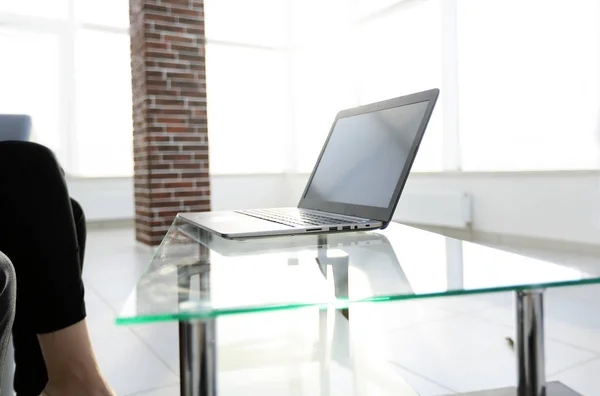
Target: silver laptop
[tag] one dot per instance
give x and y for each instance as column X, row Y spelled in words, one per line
column 357, row 180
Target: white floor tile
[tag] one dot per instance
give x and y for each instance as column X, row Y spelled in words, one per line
column 577, row 305
column 583, row 379
column 163, row 339
column 396, row 315
column 400, row 314
column 172, row 390
column 584, row 293
column 238, row 335
column 423, row 386
column 268, row 366
column 473, row 302
column 309, row 379
column 467, row 354
column 567, row 320
column 99, row 313
column 113, row 264
column 127, row 363
column 114, row 289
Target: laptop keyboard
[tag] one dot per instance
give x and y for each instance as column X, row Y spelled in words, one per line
column 295, row 218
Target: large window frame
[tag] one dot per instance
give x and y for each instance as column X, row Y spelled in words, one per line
column 452, row 157
column 66, row 32
column 290, row 48
column 449, row 80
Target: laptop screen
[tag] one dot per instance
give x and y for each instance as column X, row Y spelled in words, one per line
column 366, row 155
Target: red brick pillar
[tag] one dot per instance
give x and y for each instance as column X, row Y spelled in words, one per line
column 169, row 113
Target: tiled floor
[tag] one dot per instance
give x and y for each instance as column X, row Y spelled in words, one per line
column 439, row 347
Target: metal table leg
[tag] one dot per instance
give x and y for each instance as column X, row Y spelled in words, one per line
column 531, row 369
column 530, row 352
column 197, row 339
column 324, row 353
column 198, row 358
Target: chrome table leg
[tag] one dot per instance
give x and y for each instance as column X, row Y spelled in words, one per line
column 198, row 358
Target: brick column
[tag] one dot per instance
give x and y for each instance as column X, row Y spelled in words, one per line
column 169, row 113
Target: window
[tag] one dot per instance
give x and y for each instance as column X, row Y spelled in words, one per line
column 103, row 122
column 256, row 22
column 318, row 22
column 29, row 82
column 247, row 109
column 322, row 86
column 525, row 94
column 529, row 84
column 247, row 85
column 370, row 7
column 364, row 60
column 55, row 9
column 74, row 80
column 399, row 53
column 113, row 13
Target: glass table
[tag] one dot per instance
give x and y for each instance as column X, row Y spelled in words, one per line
column 196, row 278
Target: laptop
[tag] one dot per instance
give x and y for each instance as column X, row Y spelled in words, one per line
column 356, row 182
column 257, row 246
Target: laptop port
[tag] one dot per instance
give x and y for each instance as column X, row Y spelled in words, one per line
column 346, row 227
column 313, row 229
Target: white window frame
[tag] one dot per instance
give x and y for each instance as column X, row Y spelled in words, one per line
column 449, row 90
column 66, row 31
column 451, row 144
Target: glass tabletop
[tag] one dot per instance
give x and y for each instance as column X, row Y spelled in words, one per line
column 197, row 275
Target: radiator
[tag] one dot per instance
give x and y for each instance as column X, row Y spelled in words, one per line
column 435, row 209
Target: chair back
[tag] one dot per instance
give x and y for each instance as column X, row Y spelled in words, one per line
column 15, row 127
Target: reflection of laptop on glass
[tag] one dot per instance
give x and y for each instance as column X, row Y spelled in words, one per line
column 357, row 180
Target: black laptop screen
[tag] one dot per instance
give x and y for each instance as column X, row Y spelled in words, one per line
column 365, row 156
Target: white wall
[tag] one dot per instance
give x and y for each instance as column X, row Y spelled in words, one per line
column 554, row 205
column 104, row 199
column 563, row 205
column 253, row 191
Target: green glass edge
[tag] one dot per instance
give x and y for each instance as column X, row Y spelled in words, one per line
column 338, row 304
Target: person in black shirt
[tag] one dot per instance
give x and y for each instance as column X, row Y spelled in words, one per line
column 42, row 232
